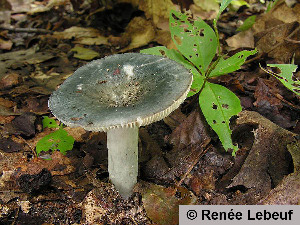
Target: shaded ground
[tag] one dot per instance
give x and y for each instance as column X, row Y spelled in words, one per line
column 181, row 159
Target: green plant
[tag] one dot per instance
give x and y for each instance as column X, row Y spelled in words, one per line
column 58, row 140
column 248, row 23
column 197, row 45
column 270, row 4
column 286, row 76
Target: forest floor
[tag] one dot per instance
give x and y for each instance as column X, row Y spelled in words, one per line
column 181, row 160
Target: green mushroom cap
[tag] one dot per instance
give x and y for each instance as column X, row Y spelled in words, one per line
column 122, row 90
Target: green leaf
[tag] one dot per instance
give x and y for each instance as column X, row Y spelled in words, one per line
column 195, row 39
column 176, row 56
column 286, row 76
column 231, row 64
column 170, row 53
column 48, row 122
column 197, row 84
column 248, row 23
column 223, row 6
column 218, row 105
column 270, row 5
column 58, row 140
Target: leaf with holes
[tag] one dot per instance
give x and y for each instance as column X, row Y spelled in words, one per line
column 176, row 56
column 231, row 64
column 58, row 140
column 195, row 39
column 218, row 105
column 48, row 122
column 223, row 6
column 286, row 76
column 170, row 53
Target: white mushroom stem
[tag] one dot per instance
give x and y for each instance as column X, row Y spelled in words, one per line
column 122, row 144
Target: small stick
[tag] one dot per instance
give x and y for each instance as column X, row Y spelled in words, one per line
column 26, row 30
column 31, row 148
column 197, row 157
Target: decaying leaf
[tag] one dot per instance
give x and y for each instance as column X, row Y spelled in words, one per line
column 44, row 8
column 191, row 131
column 84, row 53
column 8, row 145
column 28, row 56
column 5, row 44
column 273, row 41
column 269, row 105
column 268, row 160
column 23, row 124
column 243, row 39
column 188, row 140
column 157, row 10
column 287, row 192
column 162, row 204
column 205, row 9
column 59, row 165
column 140, row 31
column 82, row 35
column 9, row 80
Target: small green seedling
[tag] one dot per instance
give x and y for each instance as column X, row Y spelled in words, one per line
column 197, row 45
column 248, row 23
column 58, row 140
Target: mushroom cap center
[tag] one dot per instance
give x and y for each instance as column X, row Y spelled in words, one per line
column 122, row 89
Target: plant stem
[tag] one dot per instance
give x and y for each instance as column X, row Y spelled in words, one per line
column 217, row 35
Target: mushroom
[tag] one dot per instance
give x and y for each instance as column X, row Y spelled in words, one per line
column 118, row 94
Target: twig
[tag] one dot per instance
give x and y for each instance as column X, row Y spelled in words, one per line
column 31, row 148
column 292, row 41
column 16, row 216
column 197, row 157
column 26, row 30
column 253, row 59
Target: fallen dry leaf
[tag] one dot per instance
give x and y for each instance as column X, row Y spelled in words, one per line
column 244, row 39
column 268, row 104
column 82, row 35
column 191, row 131
column 140, row 31
column 22, row 57
column 59, row 165
column 287, row 192
column 205, row 9
column 268, row 161
column 157, row 10
column 8, row 145
column 162, row 204
column 149, row 147
column 189, row 139
column 6, row 103
column 5, row 44
column 23, row 124
column 76, row 133
column 84, row 53
column 38, row 8
column 5, row 119
column 9, row 80
column 175, row 118
column 275, row 41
